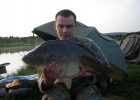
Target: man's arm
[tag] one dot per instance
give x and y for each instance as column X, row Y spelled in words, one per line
column 48, row 76
column 90, row 45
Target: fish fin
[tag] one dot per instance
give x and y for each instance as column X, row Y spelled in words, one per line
column 66, row 81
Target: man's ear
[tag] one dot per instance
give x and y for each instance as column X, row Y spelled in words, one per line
column 54, row 25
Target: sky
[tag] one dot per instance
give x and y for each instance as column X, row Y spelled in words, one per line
column 20, row 17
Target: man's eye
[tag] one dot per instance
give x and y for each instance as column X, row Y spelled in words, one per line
column 61, row 26
column 69, row 26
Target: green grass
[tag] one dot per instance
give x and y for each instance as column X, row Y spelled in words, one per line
column 28, row 70
column 128, row 90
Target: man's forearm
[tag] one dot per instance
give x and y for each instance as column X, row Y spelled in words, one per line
column 43, row 87
column 46, row 86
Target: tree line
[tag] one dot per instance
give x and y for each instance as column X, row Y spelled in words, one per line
column 32, row 40
column 119, row 37
column 19, row 41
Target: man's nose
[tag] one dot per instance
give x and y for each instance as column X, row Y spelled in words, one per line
column 65, row 30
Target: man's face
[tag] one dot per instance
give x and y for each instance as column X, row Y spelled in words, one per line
column 65, row 27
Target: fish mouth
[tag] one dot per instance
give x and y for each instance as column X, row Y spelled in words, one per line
column 33, row 60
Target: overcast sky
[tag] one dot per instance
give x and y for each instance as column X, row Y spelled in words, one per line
column 20, row 17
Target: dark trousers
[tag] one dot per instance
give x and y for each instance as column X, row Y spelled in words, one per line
column 82, row 89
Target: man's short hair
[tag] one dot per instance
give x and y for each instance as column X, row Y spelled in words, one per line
column 66, row 13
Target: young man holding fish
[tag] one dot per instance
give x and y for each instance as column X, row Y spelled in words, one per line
column 80, row 86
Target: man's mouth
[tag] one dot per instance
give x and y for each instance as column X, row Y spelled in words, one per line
column 65, row 36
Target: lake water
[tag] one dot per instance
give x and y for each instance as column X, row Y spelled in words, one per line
column 13, row 57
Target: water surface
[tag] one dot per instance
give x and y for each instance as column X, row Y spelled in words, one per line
column 13, row 55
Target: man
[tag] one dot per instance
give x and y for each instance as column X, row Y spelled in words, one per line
column 83, row 84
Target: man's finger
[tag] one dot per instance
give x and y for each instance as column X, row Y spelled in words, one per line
column 81, row 67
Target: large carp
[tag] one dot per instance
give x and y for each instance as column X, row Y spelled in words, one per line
column 67, row 54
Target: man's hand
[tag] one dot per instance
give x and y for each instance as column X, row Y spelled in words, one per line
column 83, row 72
column 51, row 73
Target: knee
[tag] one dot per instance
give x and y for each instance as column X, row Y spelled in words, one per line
column 59, row 92
column 89, row 93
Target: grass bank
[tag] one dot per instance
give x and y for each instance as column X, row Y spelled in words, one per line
column 128, row 90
